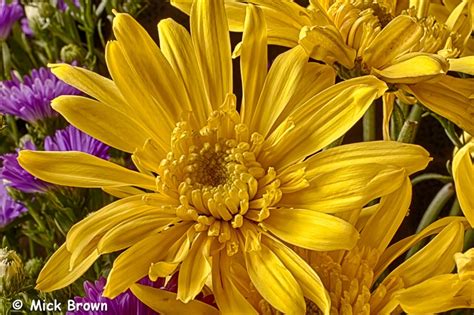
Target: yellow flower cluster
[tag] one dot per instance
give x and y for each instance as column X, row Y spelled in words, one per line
column 246, row 194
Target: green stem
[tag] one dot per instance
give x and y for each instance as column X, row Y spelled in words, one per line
column 455, row 208
column 410, row 127
column 368, row 124
column 469, row 239
column 429, row 176
column 432, row 213
column 13, row 128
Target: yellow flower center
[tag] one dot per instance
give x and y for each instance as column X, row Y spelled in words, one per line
column 350, row 282
column 217, row 178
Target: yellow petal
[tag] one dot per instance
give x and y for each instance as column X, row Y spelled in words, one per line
column 210, row 35
column 448, row 97
column 322, row 119
column 412, row 158
column 78, row 169
column 316, row 78
column 165, row 302
column 326, row 43
column 127, row 269
column 388, row 100
column 280, row 85
column 464, row 64
column 309, row 281
column 436, row 295
column 123, row 192
column 253, row 61
column 274, row 281
column 346, row 189
column 195, row 269
column 311, row 229
column 395, row 39
column 460, row 20
column 138, row 95
column 228, row 298
column 176, row 45
column 382, row 226
column 463, row 173
column 56, row 273
column 465, row 264
column 148, row 71
column 395, row 250
column 117, row 129
column 413, row 69
column 434, row 259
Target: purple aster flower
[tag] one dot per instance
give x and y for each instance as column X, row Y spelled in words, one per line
column 9, row 14
column 68, row 139
column 72, row 139
column 31, row 99
column 15, row 176
column 9, row 208
column 25, row 27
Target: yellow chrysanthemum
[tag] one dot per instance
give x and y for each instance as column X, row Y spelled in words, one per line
column 410, row 50
column 216, row 187
column 422, row 284
column 463, row 174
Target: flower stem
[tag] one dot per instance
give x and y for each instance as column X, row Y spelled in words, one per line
column 469, row 239
column 429, row 176
column 410, row 126
column 368, row 124
column 432, row 213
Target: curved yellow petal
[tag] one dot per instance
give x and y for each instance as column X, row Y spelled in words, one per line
column 228, row 298
column 274, row 281
column 311, row 229
column 113, row 127
column 210, row 36
column 165, row 302
column 310, row 283
column 464, row 64
column 253, row 61
column 280, row 85
column 412, row 158
column 437, row 295
column 382, row 226
column 127, row 269
column 177, row 46
column 395, row 39
column 449, row 97
column 395, row 250
column 148, row 71
column 78, row 169
column 413, row 69
column 388, row 101
column 195, row 269
column 56, row 273
column 463, row 173
column 434, row 259
column 346, row 189
column 321, row 120
column 465, row 264
column 326, row 43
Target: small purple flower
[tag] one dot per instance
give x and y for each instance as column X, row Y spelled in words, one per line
column 9, row 208
column 9, row 14
column 15, row 176
column 125, row 303
column 25, row 27
column 67, row 139
column 72, row 139
column 63, row 6
column 31, row 99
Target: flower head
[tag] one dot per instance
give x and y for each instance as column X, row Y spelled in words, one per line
column 67, row 139
column 11, row 272
column 30, row 99
column 9, row 208
column 220, row 192
column 406, row 47
column 9, row 14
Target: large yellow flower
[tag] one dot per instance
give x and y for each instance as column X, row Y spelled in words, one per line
column 217, row 186
column 350, row 276
column 410, row 50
